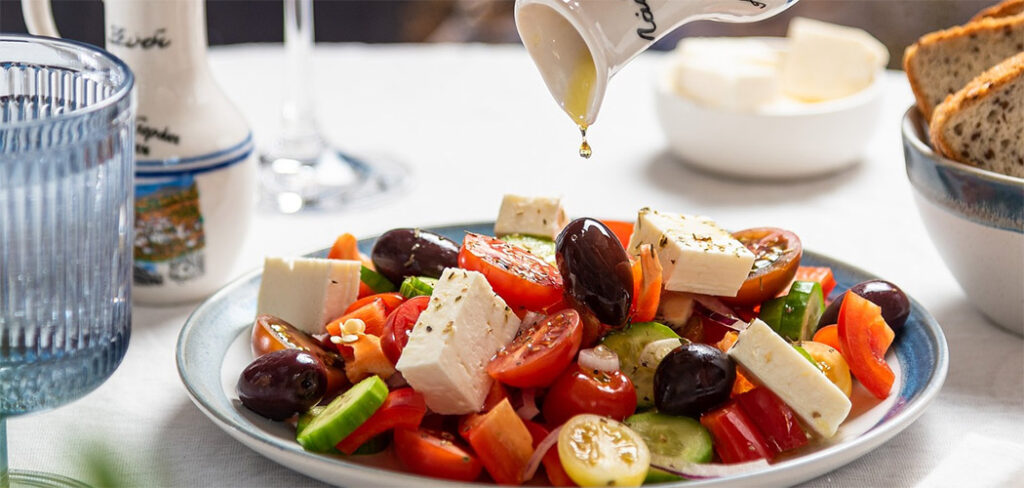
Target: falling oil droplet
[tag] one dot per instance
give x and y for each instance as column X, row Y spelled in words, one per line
column 585, row 150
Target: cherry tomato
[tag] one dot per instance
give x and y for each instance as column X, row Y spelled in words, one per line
column 777, row 255
column 736, row 437
column 398, row 326
column 539, row 354
column 576, row 391
column 436, row 453
column 270, row 333
column 521, row 278
column 776, row 421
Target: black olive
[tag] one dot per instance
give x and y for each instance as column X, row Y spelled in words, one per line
column 693, row 379
column 595, row 270
column 282, row 383
column 413, row 252
column 894, row 303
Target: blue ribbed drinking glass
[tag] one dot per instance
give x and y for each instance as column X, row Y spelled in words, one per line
column 67, row 116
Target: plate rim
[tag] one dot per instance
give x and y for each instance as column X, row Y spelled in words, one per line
column 833, row 457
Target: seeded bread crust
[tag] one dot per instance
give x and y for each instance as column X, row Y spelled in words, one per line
column 1006, row 8
column 942, row 62
column 983, row 124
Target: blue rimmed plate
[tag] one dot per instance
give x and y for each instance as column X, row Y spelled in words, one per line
column 213, row 348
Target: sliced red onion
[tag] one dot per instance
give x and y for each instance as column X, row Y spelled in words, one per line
column 599, row 358
column 538, row 454
column 396, row 381
column 529, row 409
column 695, row 471
column 717, row 312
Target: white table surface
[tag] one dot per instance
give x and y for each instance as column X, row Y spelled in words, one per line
column 474, row 122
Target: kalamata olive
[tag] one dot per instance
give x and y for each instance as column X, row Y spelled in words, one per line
column 894, row 303
column 693, row 379
column 595, row 269
column 413, row 252
column 271, row 333
column 282, row 383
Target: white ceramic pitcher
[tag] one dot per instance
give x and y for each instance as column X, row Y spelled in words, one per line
column 195, row 180
column 578, row 45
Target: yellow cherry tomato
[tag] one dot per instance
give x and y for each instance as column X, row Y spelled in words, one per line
column 831, row 363
column 599, row 451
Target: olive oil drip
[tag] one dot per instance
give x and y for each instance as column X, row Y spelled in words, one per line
column 581, row 87
column 585, row 150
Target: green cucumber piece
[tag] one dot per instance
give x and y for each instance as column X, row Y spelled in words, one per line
column 374, row 445
column 803, row 352
column 343, row 415
column 771, row 312
column 414, row 286
column 541, row 247
column 306, row 417
column 655, row 476
column 629, row 343
column 804, row 306
column 671, row 437
column 376, row 281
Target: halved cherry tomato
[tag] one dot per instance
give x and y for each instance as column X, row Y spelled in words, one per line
column 519, row 277
column 622, row 230
column 399, row 324
column 646, row 285
column 862, row 333
column 736, row 438
column 502, row 442
column 436, row 453
column 576, row 391
column 552, row 463
column 270, row 333
column 540, row 353
column 403, row 408
column 391, row 301
column 776, row 421
column 777, row 255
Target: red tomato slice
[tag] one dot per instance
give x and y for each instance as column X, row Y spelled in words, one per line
column 777, row 255
column 773, row 418
column 539, row 354
column 399, row 324
column 597, row 392
column 503, row 443
column 735, row 437
column 390, row 300
column 622, row 229
column 861, row 331
column 822, row 274
column 552, row 463
column 435, row 453
column 519, row 277
column 403, row 408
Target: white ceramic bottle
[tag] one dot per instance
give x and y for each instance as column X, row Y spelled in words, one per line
column 195, row 168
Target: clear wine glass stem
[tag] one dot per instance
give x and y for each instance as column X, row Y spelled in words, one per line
column 300, row 135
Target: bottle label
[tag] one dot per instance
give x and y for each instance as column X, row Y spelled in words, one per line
column 170, row 230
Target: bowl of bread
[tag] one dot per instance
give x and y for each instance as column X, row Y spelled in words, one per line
column 964, row 147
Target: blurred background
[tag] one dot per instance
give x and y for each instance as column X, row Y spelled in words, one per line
column 897, row 23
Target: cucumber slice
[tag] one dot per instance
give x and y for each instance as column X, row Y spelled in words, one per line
column 804, row 306
column 629, row 344
column 376, row 281
column 340, row 417
column 803, row 352
column 306, row 417
column 671, row 437
column 414, row 286
column 541, row 247
column 771, row 312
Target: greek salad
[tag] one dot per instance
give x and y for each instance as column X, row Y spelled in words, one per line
column 574, row 353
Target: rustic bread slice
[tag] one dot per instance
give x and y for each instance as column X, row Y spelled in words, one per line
column 943, row 62
column 1006, row 8
column 983, row 124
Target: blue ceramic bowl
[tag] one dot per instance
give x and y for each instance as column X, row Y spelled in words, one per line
column 976, row 221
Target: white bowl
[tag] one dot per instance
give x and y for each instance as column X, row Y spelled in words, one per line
column 771, row 143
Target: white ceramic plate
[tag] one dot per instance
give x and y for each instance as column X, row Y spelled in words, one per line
column 213, row 349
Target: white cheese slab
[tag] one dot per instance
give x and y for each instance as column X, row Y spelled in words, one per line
column 308, row 292
column 696, row 254
column 535, row 216
column 767, row 359
column 462, row 328
column 827, row 61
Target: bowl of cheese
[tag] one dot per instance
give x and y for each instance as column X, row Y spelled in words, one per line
column 773, row 108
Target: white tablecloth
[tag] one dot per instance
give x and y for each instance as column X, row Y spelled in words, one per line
column 474, row 122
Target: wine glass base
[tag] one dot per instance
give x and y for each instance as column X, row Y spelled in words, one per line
column 36, row 479
column 332, row 180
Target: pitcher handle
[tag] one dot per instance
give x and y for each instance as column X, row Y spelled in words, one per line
column 39, row 17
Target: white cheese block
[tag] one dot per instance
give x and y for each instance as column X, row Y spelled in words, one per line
column 462, row 328
column 696, row 255
column 827, row 61
column 308, row 292
column 730, row 73
column 536, row 216
column 767, row 359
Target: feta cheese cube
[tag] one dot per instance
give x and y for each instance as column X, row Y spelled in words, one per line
column 308, row 292
column 462, row 328
column 696, row 255
column 770, row 361
column 827, row 61
column 535, row 216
